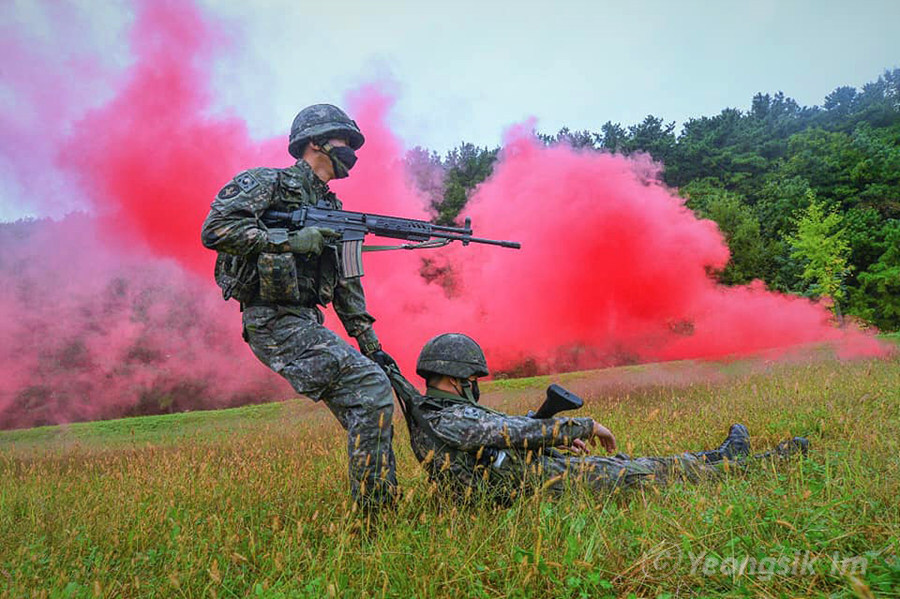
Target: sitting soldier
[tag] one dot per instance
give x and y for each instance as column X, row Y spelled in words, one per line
column 472, row 448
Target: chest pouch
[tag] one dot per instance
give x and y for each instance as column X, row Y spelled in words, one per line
column 237, row 277
column 278, row 278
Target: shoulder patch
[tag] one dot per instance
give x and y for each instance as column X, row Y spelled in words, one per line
column 228, row 192
column 246, row 181
column 474, row 413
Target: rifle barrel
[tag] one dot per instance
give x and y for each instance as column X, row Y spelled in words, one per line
column 506, row 244
column 463, row 234
column 466, row 239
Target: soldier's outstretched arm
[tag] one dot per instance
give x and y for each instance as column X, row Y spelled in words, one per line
column 233, row 224
column 470, row 428
column 350, row 305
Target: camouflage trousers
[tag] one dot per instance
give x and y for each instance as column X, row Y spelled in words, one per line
column 607, row 473
column 322, row 366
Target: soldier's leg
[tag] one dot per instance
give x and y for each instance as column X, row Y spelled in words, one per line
column 363, row 402
column 620, row 471
column 684, row 467
column 322, row 366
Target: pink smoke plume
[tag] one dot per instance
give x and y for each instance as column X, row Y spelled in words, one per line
column 46, row 86
column 90, row 332
column 108, row 316
column 613, row 268
column 152, row 159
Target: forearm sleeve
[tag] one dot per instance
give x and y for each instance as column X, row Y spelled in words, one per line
column 470, row 428
column 350, row 305
column 233, row 232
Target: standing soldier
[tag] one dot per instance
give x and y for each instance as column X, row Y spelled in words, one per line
column 280, row 278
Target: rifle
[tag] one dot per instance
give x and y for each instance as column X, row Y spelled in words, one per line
column 354, row 226
column 558, row 400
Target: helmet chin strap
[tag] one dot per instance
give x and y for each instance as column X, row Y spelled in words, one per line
column 470, row 390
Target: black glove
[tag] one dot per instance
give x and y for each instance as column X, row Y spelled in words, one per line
column 371, row 348
column 383, row 359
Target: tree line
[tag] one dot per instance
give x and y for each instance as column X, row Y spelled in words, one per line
column 808, row 198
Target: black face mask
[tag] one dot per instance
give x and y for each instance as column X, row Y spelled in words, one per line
column 470, row 390
column 343, row 158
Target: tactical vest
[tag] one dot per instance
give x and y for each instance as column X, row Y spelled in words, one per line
column 282, row 278
column 460, row 471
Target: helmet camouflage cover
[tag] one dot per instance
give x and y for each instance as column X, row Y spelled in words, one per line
column 322, row 120
column 452, row 354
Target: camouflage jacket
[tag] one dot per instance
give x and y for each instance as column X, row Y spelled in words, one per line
column 233, row 228
column 468, row 446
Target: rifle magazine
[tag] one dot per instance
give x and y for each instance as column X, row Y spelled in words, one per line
column 351, row 259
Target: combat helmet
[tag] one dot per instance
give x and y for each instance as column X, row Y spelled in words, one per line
column 322, row 120
column 452, row 354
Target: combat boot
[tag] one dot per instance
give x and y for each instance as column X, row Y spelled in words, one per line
column 736, row 446
column 788, row 448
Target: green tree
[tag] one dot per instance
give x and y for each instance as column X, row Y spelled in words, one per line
column 820, row 241
column 466, row 166
column 653, row 136
column 577, row 139
column 878, row 104
column 826, row 160
column 778, row 200
column 877, row 173
column 878, row 295
column 841, row 102
column 612, row 136
column 866, row 230
column 726, row 147
column 426, row 172
column 738, row 224
column 877, row 299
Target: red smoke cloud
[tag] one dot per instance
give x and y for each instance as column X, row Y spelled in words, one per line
column 89, row 332
column 45, row 87
column 96, row 329
column 613, row 267
column 153, row 158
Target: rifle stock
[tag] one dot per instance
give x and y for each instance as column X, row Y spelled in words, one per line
column 558, row 400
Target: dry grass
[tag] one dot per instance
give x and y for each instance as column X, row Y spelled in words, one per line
column 253, row 502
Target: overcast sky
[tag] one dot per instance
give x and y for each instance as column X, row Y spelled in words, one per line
column 466, row 70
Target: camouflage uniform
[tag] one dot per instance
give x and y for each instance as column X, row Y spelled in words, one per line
column 469, row 447
column 287, row 335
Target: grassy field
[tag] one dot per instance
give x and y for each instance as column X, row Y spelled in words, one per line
column 253, row 502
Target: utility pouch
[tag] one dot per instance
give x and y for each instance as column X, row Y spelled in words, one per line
column 237, row 277
column 278, row 278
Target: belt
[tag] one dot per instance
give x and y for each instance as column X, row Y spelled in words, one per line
column 308, row 300
column 305, row 311
column 276, row 305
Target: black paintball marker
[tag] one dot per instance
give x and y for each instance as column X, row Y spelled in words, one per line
column 354, row 226
column 558, row 400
